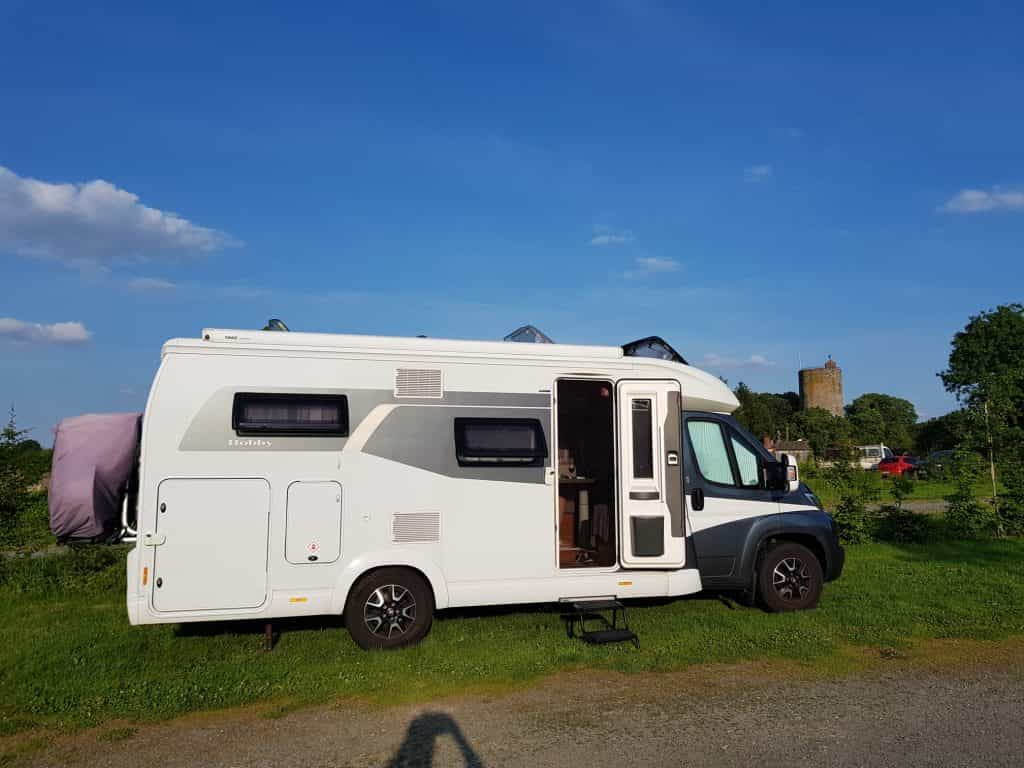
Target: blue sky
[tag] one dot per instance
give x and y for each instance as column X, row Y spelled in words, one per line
column 762, row 187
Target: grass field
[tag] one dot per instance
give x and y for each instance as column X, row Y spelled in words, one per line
column 69, row 659
column 923, row 490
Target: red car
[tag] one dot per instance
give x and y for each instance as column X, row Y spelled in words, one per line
column 897, row 465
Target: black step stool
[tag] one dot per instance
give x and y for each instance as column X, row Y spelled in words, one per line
column 610, row 631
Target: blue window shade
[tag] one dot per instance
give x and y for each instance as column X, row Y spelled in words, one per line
column 746, row 461
column 709, row 447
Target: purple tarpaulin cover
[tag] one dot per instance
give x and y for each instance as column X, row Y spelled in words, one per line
column 93, row 459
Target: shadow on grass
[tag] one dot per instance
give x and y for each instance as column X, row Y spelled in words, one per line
column 257, row 626
column 288, row 625
column 993, row 553
column 558, row 609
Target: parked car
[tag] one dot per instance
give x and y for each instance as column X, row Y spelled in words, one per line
column 937, row 465
column 868, row 456
column 898, row 465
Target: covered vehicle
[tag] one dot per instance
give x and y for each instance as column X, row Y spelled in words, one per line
column 95, row 460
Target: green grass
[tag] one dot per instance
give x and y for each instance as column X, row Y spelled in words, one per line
column 923, row 490
column 69, row 659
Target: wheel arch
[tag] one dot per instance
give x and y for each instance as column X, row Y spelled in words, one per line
column 806, row 529
column 363, row 566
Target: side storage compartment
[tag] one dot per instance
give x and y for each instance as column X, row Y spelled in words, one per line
column 212, row 538
column 313, row 533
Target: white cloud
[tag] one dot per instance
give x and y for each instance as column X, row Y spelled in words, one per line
column 38, row 333
column 654, row 264
column 605, row 236
column 90, row 224
column 712, row 360
column 757, row 173
column 150, row 285
column 978, row 200
column 649, row 265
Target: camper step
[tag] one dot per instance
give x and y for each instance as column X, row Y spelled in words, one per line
column 601, row 636
column 596, row 604
column 593, row 611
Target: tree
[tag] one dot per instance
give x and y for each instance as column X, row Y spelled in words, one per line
column 877, row 418
column 12, row 479
column 821, row 429
column 943, row 433
column 986, row 373
column 11, row 436
column 763, row 413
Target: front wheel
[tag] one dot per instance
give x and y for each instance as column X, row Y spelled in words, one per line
column 389, row 608
column 789, row 578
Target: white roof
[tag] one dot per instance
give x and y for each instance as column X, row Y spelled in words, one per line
column 338, row 341
column 701, row 390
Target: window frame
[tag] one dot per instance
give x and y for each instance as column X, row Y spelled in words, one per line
column 728, row 433
column 240, row 427
column 496, row 458
column 651, row 442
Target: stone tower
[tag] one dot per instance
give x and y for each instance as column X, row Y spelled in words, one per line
column 822, row 388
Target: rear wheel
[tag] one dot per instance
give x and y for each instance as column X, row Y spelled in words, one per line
column 389, row 608
column 789, row 578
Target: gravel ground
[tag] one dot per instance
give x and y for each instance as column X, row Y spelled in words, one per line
column 717, row 716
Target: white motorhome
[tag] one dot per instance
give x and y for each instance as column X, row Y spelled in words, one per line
column 291, row 474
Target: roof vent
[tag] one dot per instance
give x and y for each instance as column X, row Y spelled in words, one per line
column 418, row 382
column 529, row 334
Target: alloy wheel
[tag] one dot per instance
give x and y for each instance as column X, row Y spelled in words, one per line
column 790, row 579
column 390, row 611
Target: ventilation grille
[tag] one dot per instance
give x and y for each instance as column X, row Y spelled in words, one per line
column 418, row 382
column 416, row 526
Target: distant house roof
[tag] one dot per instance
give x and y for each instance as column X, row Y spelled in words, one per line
column 791, row 445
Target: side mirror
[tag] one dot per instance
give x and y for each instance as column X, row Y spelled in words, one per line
column 776, row 476
column 792, row 472
column 782, row 475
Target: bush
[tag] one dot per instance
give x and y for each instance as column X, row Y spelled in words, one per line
column 903, row 526
column 13, row 497
column 856, row 489
column 1010, row 512
column 899, row 524
column 966, row 516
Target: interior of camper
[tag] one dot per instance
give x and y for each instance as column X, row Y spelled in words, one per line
column 586, row 474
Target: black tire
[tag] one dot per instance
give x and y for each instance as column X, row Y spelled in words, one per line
column 389, row 608
column 789, row 578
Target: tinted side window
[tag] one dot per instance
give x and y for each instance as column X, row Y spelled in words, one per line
column 499, row 442
column 709, row 447
column 643, row 445
column 287, row 414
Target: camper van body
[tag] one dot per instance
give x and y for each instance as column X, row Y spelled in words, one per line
column 241, row 520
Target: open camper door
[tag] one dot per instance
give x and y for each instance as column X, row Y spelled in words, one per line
column 650, row 474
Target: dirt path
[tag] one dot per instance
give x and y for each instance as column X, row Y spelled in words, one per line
column 898, row 714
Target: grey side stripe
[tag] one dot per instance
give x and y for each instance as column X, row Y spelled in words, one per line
column 210, row 429
column 424, row 437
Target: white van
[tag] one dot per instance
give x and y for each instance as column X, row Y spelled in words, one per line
column 868, row 456
column 290, row 474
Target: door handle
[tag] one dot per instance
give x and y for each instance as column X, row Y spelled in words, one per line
column 697, row 499
column 153, row 539
column 672, row 459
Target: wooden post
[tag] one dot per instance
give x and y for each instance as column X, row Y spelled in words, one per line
column 268, row 636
